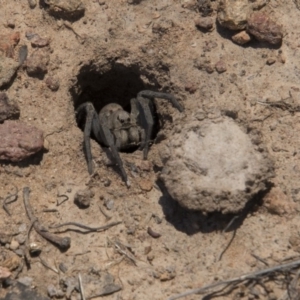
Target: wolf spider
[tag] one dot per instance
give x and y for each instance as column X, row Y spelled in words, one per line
column 119, row 130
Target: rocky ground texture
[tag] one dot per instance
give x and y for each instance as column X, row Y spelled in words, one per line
column 218, row 196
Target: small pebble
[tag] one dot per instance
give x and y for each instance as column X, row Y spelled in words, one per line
column 52, row 83
column 32, row 3
column 61, row 294
column 282, row 58
column 35, row 248
column 147, row 249
column 14, row 245
column 51, row 291
column 11, row 23
column 63, row 267
column 107, row 182
column 150, row 257
column 37, row 62
column 30, row 35
column 220, row 66
column 20, row 252
column 153, row 234
column 109, row 203
column 241, row 38
column 59, row 23
column 23, row 52
column 191, row 88
column 271, row 61
column 145, row 185
column 37, row 41
column 21, row 238
column 25, row 280
column 5, row 238
column 83, row 198
column 205, row 23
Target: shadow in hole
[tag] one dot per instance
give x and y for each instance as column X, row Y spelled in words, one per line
column 191, row 222
column 254, row 43
column 62, row 14
column 118, row 85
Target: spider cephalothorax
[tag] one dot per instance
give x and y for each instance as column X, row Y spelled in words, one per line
column 124, row 128
column 119, row 130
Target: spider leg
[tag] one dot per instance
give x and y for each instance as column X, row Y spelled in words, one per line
column 145, row 114
column 146, row 121
column 150, row 95
column 136, row 120
column 102, row 133
column 90, row 112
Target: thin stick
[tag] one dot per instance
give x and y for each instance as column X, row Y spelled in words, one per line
column 81, row 287
column 66, row 198
column 92, row 229
column 118, row 246
column 14, row 196
column 233, row 236
column 47, row 266
column 104, row 213
column 249, row 276
column 230, row 223
column 228, row 245
column 28, row 233
column 114, row 263
column 50, row 210
column 260, row 259
column 61, row 242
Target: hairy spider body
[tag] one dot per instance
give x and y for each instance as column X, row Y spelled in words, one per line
column 123, row 126
column 119, row 130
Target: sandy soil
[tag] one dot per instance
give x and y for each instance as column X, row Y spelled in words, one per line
column 111, row 53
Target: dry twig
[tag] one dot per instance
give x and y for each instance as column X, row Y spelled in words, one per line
column 107, row 217
column 89, row 229
column 122, row 249
column 47, row 266
column 61, row 242
column 228, row 245
column 260, row 259
column 231, row 239
column 81, row 287
column 250, row 276
column 14, row 198
column 66, row 198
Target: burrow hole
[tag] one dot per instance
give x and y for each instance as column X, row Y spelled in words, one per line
column 117, row 84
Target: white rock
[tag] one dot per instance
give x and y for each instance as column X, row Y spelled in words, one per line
column 213, row 166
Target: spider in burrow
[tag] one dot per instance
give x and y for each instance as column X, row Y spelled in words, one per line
column 119, row 130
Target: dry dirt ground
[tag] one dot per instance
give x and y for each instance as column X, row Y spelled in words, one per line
column 111, row 53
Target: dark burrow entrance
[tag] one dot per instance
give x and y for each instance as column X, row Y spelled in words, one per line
column 118, row 85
